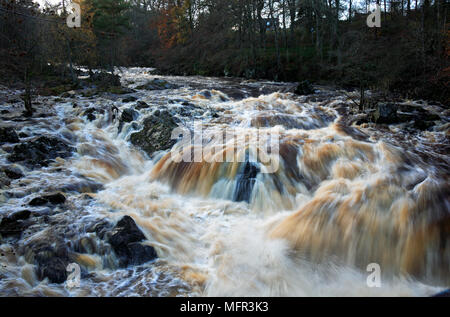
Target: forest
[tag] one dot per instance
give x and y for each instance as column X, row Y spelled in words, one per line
column 321, row 41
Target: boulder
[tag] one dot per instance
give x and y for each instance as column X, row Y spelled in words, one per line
column 8, row 135
column 125, row 241
column 385, row 113
column 156, row 134
column 304, row 88
column 158, row 84
column 129, row 115
column 40, row 152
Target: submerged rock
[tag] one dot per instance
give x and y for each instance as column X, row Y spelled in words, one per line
column 8, row 135
column 51, row 263
column 156, row 134
column 125, row 240
column 40, row 152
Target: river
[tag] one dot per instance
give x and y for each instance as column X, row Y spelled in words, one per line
column 340, row 198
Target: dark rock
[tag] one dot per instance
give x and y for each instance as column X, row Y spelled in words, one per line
column 142, row 105
column 140, row 254
column 104, row 79
column 54, row 199
column 158, row 84
column 129, row 115
column 385, row 113
column 4, row 181
column 40, row 152
column 12, row 172
column 304, row 88
column 245, row 182
column 443, row 294
column 8, row 135
column 51, row 263
column 125, row 240
column 156, row 134
column 129, row 99
column 15, row 223
column 23, row 135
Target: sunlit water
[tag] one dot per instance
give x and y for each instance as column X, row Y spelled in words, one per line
column 341, row 199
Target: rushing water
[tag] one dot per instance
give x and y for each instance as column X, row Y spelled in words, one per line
column 341, row 199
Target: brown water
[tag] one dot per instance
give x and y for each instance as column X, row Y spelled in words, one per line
column 340, row 200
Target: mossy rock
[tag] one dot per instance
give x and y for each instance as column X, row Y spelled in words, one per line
column 156, row 134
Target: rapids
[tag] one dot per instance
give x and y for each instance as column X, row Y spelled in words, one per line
column 341, row 198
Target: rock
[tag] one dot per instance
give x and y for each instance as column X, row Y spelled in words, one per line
column 142, row 105
column 125, row 240
column 140, row 254
column 54, row 199
column 129, row 99
column 385, row 113
column 51, row 263
column 129, row 115
column 156, row 134
column 4, row 181
column 245, row 182
column 40, row 152
column 443, row 294
column 8, row 135
column 15, row 223
column 158, row 84
column 304, row 88
column 12, row 172
column 104, row 79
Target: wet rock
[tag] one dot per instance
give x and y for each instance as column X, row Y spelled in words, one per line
column 83, row 186
column 54, row 199
column 129, row 99
column 4, row 181
column 142, row 105
column 51, row 263
column 12, row 172
column 104, row 79
column 385, row 113
column 443, row 294
column 140, row 254
column 15, row 223
column 129, row 115
column 158, row 84
column 245, row 182
column 304, row 88
column 125, row 240
column 40, row 152
column 8, row 135
column 156, row 134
